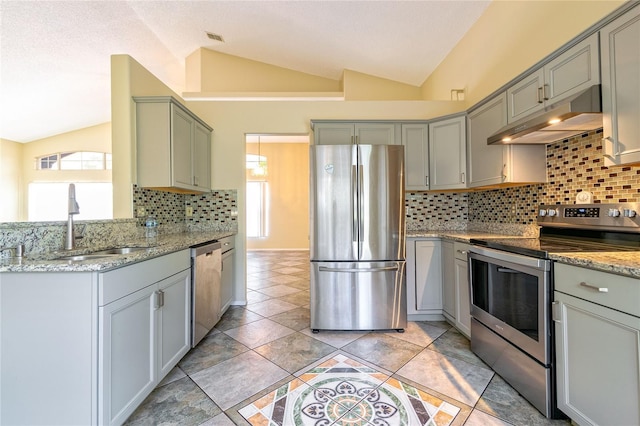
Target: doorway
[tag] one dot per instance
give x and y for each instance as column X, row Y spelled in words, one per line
column 277, row 191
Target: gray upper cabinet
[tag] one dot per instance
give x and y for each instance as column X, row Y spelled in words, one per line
column 620, row 49
column 447, row 153
column 415, row 138
column 499, row 164
column 173, row 146
column 569, row 73
column 345, row 133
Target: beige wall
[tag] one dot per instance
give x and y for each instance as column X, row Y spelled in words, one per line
column 219, row 72
column 19, row 161
column 10, row 180
column 510, row 37
column 288, row 179
column 364, row 87
column 128, row 79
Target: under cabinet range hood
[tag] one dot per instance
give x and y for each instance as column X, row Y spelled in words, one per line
column 569, row 117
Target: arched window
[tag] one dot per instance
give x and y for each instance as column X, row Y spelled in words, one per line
column 79, row 160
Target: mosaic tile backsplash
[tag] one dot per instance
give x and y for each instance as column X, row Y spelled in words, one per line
column 425, row 210
column 216, row 210
column 573, row 165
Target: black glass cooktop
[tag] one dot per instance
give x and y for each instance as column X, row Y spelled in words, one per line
column 564, row 241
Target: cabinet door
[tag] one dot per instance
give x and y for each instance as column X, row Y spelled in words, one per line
column 597, row 353
column 126, row 359
column 486, row 166
column 428, row 275
column 333, row 133
column 620, row 50
column 572, row 72
column 226, row 288
column 526, row 97
column 202, row 157
column 447, row 153
column 377, row 134
column 181, row 137
column 174, row 321
column 415, row 138
column 463, row 305
column 448, row 280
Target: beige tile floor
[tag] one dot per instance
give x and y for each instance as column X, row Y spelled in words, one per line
column 258, row 349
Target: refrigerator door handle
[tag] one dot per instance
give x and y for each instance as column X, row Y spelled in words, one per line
column 354, row 207
column 360, row 204
column 356, row 270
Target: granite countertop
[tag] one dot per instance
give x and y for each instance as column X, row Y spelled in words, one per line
column 163, row 244
column 460, row 236
column 622, row 263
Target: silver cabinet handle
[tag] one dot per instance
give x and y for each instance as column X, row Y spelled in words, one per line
column 426, row 181
column 593, row 287
column 462, row 177
column 461, row 251
column 544, row 92
column 540, row 95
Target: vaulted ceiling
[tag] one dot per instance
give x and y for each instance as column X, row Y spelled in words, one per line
column 55, row 56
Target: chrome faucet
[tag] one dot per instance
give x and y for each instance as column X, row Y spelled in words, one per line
column 18, row 250
column 74, row 208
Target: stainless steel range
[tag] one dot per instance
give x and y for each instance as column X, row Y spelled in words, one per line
column 511, row 282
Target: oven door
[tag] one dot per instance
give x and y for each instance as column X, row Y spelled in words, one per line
column 510, row 295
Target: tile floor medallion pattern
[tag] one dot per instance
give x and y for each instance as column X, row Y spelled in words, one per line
column 262, row 365
column 345, row 391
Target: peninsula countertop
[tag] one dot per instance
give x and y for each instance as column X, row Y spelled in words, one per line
column 163, row 244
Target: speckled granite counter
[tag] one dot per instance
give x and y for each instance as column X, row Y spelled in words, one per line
column 622, row 263
column 163, row 244
column 460, row 236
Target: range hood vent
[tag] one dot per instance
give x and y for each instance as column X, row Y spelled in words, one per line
column 577, row 114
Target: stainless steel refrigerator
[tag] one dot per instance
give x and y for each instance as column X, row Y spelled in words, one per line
column 357, row 237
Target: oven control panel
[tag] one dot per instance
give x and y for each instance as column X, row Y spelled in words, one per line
column 624, row 217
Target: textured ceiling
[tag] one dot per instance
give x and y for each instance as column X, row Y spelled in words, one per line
column 55, row 56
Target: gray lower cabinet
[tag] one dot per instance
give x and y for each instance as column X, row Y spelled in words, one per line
column 597, row 334
column 86, row 347
column 455, row 286
column 462, row 297
column 424, row 279
column 228, row 272
column 620, row 68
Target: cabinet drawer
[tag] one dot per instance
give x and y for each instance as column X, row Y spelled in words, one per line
column 622, row 293
column 460, row 250
column 120, row 282
column 228, row 243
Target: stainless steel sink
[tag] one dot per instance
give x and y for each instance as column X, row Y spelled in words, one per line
column 81, row 257
column 120, row 250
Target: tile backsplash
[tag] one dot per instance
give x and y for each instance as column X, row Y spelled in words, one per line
column 216, row 210
column 573, row 165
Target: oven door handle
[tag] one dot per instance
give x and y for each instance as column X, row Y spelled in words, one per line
column 508, row 271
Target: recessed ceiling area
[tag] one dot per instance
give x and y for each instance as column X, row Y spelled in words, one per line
column 55, row 56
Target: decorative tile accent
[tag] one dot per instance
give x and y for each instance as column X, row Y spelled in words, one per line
column 425, row 210
column 347, row 392
column 166, row 207
column 217, row 206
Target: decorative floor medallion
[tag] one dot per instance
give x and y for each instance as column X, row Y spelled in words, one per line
column 342, row 391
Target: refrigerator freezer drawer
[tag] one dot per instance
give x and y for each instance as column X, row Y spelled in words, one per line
column 358, row 295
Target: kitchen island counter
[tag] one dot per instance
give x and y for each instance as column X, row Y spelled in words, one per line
column 163, row 244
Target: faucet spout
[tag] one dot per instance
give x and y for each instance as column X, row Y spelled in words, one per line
column 74, row 208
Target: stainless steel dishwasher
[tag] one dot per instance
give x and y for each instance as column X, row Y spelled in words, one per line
column 206, row 275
